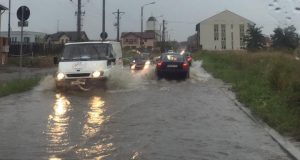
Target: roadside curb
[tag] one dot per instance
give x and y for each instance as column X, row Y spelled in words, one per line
column 284, row 143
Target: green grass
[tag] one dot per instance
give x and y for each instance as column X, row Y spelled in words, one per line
column 267, row 83
column 17, row 86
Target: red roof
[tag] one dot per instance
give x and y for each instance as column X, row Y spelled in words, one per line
column 145, row 35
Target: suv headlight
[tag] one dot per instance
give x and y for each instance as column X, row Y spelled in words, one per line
column 60, row 76
column 96, row 74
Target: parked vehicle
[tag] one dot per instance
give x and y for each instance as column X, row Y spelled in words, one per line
column 172, row 65
column 86, row 64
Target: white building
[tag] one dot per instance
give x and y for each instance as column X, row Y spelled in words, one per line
column 154, row 26
column 2, row 9
column 28, row 37
column 223, row 31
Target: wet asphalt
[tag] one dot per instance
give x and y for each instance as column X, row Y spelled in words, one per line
column 141, row 119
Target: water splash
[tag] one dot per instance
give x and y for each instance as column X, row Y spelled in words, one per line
column 197, row 73
column 47, row 83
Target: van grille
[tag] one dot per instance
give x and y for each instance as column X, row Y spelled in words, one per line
column 78, row 75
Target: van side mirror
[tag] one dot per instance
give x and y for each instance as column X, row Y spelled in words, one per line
column 55, row 60
column 110, row 61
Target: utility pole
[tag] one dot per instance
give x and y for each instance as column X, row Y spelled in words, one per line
column 103, row 17
column 164, row 35
column 9, row 27
column 118, row 23
column 79, row 21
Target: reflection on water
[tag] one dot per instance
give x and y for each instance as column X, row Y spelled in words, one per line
column 94, row 118
column 58, row 123
column 58, row 134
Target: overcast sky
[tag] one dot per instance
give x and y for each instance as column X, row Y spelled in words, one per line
column 181, row 15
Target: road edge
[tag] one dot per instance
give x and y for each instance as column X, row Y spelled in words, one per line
column 283, row 142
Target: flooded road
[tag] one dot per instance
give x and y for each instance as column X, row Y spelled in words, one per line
column 136, row 118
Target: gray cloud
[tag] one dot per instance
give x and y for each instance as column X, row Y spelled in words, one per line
column 182, row 15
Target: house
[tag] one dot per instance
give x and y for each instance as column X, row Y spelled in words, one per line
column 146, row 39
column 28, row 36
column 133, row 40
column 192, row 43
column 65, row 37
column 223, row 31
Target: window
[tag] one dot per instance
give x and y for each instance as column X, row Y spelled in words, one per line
column 232, row 42
column 223, row 36
column 223, row 43
column 26, row 39
column 130, row 41
column 13, row 39
column 242, row 34
column 216, row 32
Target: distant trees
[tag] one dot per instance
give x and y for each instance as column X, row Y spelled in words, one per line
column 285, row 38
column 254, row 38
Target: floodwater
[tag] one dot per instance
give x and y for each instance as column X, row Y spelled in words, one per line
column 137, row 117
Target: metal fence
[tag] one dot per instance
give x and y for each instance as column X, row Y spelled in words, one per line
column 35, row 49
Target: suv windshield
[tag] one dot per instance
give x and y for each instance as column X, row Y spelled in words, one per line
column 86, row 52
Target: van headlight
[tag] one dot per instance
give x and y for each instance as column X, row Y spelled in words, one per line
column 96, row 74
column 60, row 76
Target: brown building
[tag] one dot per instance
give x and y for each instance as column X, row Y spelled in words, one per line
column 132, row 40
column 65, row 37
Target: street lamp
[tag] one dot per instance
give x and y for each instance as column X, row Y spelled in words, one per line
column 142, row 19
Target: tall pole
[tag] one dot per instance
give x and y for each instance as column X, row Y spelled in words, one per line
column 118, row 27
column 21, row 48
column 103, row 17
column 142, row 19
column 9, row 27
column 79, row 21
column 142, row 25
column 118, row 23
column 163, row 36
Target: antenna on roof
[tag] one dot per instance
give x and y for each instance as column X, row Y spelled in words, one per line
column 57, row 26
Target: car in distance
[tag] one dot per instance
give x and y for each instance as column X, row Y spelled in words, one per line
column 86, row 64
column 140, row 62
column 172, row 65
column 188, row 56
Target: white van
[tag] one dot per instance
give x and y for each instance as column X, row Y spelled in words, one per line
column 85, row 64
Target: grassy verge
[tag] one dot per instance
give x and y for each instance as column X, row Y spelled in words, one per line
column 35, row 62
column 17, row 86
column 268, row 83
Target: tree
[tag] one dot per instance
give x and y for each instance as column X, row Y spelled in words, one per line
column 285, row 38
column 254, row 38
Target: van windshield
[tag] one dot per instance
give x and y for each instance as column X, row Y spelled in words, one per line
column 86, row 52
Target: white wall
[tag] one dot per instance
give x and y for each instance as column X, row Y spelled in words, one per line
column 228, row 18
column 17, row 35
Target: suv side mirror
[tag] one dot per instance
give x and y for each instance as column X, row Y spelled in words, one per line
column 55, row 60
